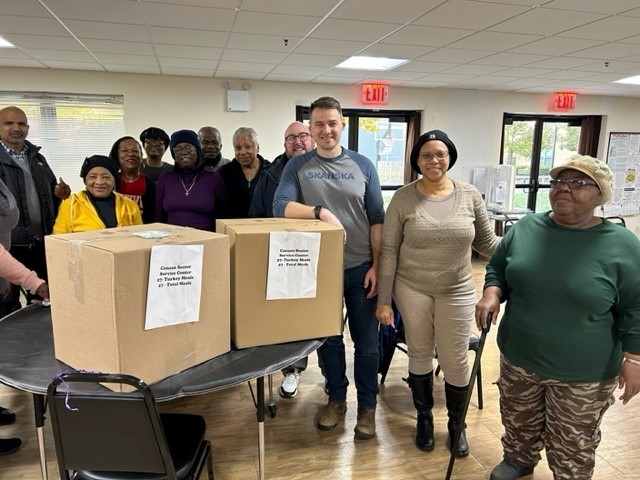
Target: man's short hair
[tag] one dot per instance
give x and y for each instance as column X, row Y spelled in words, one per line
column 326, row 103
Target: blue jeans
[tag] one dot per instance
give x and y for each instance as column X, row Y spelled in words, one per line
column 364, row 333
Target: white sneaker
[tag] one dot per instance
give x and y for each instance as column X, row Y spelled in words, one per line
column 289, row 387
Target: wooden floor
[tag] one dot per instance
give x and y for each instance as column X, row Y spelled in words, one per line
column 296, row 450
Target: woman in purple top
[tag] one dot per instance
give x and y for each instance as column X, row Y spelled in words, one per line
column 190, row 196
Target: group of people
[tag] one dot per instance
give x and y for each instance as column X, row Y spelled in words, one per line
column 571, row 329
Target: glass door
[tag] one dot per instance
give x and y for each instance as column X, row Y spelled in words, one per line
column 534, row 145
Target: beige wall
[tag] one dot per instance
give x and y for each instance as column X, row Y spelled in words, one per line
column 473, row 119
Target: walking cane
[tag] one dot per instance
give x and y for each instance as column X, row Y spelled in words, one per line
column 467, row 400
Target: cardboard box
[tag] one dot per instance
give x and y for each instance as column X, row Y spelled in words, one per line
column 98, row 282
column 258, row 321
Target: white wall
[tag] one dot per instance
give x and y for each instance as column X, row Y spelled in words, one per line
column 473, row 119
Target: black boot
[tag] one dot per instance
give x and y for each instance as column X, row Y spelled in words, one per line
column 422, row 390
column 9, row 445
column 455, row 397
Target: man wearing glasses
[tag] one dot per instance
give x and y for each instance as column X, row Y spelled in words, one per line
column 155, row 142
column 297, row 140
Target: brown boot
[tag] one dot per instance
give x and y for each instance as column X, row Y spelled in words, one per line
column 366, row 426
column 329, row 417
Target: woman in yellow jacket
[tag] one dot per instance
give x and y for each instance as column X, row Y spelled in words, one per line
column 98, row 206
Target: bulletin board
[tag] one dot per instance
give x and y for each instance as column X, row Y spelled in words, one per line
column 623, row 157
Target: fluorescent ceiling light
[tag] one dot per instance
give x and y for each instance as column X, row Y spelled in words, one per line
column 371, row 63
column 635, row 80
column 6, row 44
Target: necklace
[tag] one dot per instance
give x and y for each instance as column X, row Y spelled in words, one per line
column 187, row 190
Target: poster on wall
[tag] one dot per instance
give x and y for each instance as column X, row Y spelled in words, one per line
column 623, row 157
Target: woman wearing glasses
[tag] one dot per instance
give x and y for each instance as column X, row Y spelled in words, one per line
column 190, row 196
column 430, row 227
column 242, row 173
column 571, row 328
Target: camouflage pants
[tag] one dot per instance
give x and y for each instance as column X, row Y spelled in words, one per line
column 563, row 418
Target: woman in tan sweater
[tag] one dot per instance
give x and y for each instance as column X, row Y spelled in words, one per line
column 430, row 227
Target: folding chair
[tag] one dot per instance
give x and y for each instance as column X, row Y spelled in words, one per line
column 102, row 434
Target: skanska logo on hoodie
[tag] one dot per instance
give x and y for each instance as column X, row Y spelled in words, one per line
column 330, row 176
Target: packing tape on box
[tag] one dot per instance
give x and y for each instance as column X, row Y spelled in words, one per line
column 76, row 267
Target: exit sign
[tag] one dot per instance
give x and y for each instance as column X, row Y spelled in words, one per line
column 565, row 100
column 375, row 93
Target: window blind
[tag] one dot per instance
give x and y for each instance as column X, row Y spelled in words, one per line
column 70, row 127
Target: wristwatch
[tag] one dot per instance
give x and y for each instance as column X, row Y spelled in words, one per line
column 316, row 211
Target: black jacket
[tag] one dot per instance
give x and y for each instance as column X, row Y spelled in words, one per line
column 266, row 185
column 239, row 190
column 45, row 181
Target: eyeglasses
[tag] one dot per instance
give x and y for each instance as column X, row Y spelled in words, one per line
column 431, row 156
column 292, row 138
column 154, row 141
column 572, row 183
column 184, row 149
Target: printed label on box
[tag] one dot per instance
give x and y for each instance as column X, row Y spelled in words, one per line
column 175, row 285
column 293, row 265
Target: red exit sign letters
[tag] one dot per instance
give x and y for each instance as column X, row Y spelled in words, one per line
column 375, row 93
column 565, row 100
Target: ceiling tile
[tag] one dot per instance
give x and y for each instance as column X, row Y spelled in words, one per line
column 475, row 69
column 109, row 31
column 198, row 64
column 44, row 41
column 184, row 51
column 119, row 59
column 609, row 51
column 608, row 29
column 274, row 24
column 353, row 30
column 66, row 55
column 301, row 70
column 289, row 77
column 31, row 8
column 193, row 18
column 454, row 55
column 115, row 46
column 466, row 14
column 427, row 36
column 317, row 8
column 313, row 60
column 253, row 56
column 425, row 67
column 43, row 26
column 336, row 47
column 401, row 11
column 272, row 43
column 396, row 51
column 494, row 41
column 512, row 59
column 116, row 11
column 181, row 36
column 545, row 21
column 561, row 63
column 22, row 62
column 556, row 46
column 593, row 6
column 245, row 67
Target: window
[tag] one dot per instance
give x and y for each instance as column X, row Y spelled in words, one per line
column 70, row 127
column 534, row 144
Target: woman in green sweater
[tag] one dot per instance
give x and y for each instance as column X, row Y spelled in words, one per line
column 571, row 328
column 430, row 227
